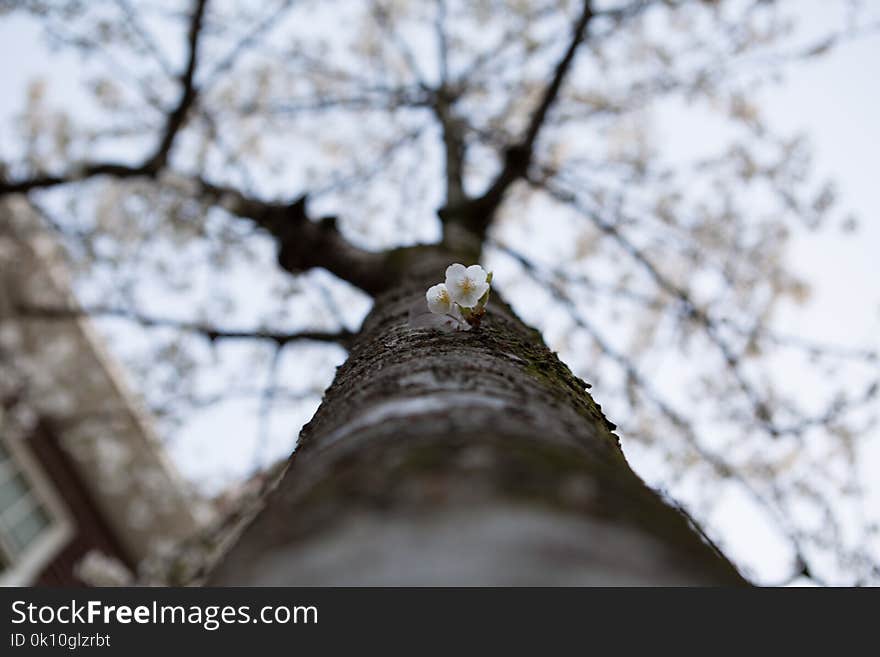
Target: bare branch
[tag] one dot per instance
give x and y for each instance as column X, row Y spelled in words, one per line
column 177, row 116
column 143, row 34
column 303, row 243
column 158, row 159
column 442, row 103
column 208, row 331
column 453, row 131
column 253, row 35
column 442, row 41
column 477, row 213
column 691, row 309
column 111, row 169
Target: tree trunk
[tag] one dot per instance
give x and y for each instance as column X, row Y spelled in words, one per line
column 468, row 458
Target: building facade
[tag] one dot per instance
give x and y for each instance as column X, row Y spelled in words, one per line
column 83, row 478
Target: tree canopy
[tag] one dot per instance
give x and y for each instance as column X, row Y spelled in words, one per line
column 232, row 182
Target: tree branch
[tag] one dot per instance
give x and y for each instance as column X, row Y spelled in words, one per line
column 77, row 174
column 156, row 161
column 303, row 243
column 177, row 116
column 452, row 129
column 207, row 331
column 691, row 309
column 477, row 213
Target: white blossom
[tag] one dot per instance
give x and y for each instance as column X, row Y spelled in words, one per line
column 439, row 301
column 457, row 305
column 466, row 285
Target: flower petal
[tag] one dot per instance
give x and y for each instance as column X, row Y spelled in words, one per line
column 476, row 273
column 439, row 301
column 466, row 284
column 455, row 273
column 468, row 298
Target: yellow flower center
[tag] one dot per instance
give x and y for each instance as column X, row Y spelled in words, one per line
column 467, row 285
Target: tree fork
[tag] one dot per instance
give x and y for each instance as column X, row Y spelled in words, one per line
column 469, row 458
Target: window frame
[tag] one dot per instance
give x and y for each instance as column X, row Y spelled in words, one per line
column 23, row 569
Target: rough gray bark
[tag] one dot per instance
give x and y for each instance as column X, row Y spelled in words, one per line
column 463, row 458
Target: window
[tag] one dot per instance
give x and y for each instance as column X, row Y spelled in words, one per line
column 33, row 526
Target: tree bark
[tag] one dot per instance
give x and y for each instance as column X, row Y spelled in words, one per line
column 468, row 458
